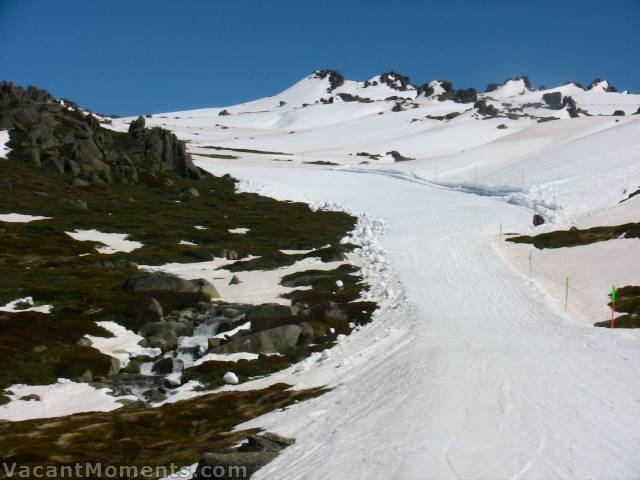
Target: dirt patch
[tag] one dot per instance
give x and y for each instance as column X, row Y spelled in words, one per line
column 575, row 237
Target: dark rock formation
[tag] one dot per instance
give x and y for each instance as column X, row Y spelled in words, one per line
column 163, row 366
column 619, row 113
column 243, row 461
column 58, row 136
column 347, row 97
column 273, row 340
column 537, row 219
column 557, row 102
column 610, row 88
column 553, row 99
column 335, row 78
column 527, row 82
column 166, row 329
column 485, row 109
column 159, row 281
column 494, row 86
column 447, row 117
column 427, row 90
column 571, row 106
column 466, row 95
column 571, row 82
column 396, row 81
column 398, row 157
column 268, row 314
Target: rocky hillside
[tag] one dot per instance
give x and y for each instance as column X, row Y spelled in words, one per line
column 59, row 136
column 129, row 281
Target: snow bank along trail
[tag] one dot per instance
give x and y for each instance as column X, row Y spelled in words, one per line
column 474, row 377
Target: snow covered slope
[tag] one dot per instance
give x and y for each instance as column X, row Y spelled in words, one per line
column 479, row 372
column 325, row 117
column 475, row 374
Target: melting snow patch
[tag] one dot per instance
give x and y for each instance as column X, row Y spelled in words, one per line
column 20, row 218
column 113, row 242
column 63, row 398
column 240, row 230
column 4, row 139
column 226, row 357
column 186, row 242
column 302, row 252
column 123, row 345
column 255, row 287
column 25, row 305
column 200, row 227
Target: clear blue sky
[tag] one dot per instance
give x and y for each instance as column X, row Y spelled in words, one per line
column 139, row 56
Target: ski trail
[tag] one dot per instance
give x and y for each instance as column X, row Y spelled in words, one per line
column 473, row 377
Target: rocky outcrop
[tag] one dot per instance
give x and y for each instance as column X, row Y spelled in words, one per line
column 465, row 95
column 268, row 314
column 428, row 89
column 347, row 97
column 485, row 108
column 56, row 135
column 553, row 99
column 556, row 101
column 572, row 82
column 159, row 281
column 494, row 86
column 398, row 157
column 608, row 88
column 164, row 335
column 161, row 150
column 396, row 81
column 273, row 340
column 335, row 78
column 243, row 461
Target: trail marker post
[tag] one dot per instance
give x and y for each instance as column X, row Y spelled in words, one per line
column 500, row 235
column 566, row 294
column 613, row 306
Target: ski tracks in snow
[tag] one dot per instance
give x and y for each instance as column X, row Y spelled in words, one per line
column 479, row 378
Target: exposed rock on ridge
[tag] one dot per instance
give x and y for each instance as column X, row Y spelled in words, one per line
column 58, row 136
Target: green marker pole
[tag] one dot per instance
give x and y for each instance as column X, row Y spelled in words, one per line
column 613, row 306
column 566, row 294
